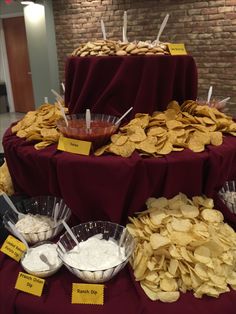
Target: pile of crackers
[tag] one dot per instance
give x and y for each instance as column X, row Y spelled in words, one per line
column 116, row 48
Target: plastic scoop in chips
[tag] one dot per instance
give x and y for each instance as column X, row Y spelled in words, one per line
column 163, row 25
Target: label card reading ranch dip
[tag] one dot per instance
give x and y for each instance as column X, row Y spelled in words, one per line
column 87, row 294
column 177, row 49
column 29, row 284
column 71, row 145
column 13, row 248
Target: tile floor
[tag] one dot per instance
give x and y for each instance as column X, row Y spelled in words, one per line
column 6, row 119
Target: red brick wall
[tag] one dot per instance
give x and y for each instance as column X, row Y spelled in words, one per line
column 208, row 29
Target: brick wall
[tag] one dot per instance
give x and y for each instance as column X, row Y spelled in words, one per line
column 208, row 29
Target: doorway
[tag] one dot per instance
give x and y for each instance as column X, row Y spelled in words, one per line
column 18, row 63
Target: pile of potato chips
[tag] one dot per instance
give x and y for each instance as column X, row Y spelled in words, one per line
column 40, row 125
column 116, row 48
column 5, row 180
column 190, row 126
column 183, row 244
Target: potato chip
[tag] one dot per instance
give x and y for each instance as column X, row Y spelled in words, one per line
column 212, row 215
column 151, row 293
column 202, row 254
column 158, row 241
column 202, row 271
column 157, row 217
column 141, row 268
column 206, row 289
column 168, row 284
column 181, row 238
column 189, row 211
column 183, row 225
column 173, row 266
column 168, row 297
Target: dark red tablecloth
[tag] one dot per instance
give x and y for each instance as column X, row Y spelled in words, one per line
column 122, row 295
column 113, row 84
column 112, row 187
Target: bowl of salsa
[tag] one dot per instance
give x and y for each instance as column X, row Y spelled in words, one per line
column 102, row 126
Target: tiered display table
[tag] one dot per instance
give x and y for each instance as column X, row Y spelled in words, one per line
column 111, row 187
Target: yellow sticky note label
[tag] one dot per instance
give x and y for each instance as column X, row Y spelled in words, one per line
column 13, row 248
column 71, row 145
column 30, row 284
column 177, row 49
column 87, row 294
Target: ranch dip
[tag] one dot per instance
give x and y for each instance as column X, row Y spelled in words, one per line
column 95, row 254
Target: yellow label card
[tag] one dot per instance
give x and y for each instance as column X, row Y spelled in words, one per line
column 29, row 284
column 177, row 49
column 13, row 248
column 71, row 145
column 87, row 294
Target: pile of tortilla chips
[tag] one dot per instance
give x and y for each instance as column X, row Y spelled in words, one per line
column 183, row 244
column 187, row 126
column 5, row 180
column 40, row 125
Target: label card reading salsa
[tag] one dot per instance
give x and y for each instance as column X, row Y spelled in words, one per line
column 87, row 294
column 177, row 49
column 71, row 145
column 13, row 248
column 29, row 284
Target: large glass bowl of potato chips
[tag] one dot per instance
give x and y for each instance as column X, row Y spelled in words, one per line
column 40, row 218
column 102, row 126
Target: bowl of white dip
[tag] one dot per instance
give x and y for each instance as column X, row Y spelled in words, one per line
column 103, row 249
column 41, row 260
column 42, row 219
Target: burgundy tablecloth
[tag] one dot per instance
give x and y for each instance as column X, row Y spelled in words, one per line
column 112, row 187
column 113, row 84
column 122, row 295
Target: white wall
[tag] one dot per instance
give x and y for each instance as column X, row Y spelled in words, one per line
column 42, row 50
column 10, row 10
column 41, row 46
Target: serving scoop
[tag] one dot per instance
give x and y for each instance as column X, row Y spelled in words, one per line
column 13, row 207
column 44, row 258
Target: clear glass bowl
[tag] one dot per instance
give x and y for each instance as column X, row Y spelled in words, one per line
column 41, row 273
column 106, row 230
column 228, row 195
column 101, row 128
column 40, row 205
